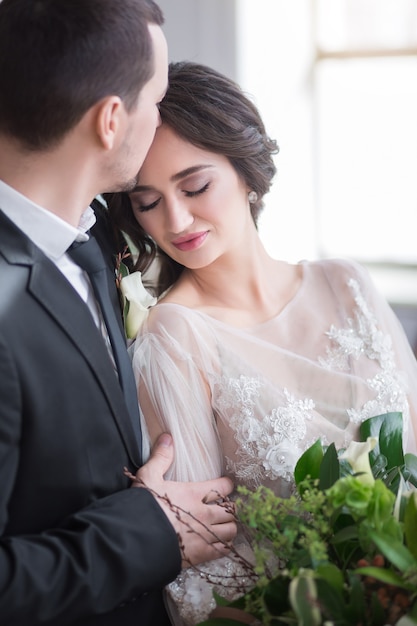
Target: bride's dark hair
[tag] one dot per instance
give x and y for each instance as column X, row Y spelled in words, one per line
column 210, row 111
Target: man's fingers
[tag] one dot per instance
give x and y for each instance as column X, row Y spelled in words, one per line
column 159, row 462
column 217, row 489
column 220, row 549
column 225, row 532
column 200, row 512
column 207, row 552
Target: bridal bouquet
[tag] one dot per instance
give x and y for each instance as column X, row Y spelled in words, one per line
column 343, row 550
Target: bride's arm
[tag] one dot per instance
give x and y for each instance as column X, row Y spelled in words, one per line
column 172, row 372
column 174, row 396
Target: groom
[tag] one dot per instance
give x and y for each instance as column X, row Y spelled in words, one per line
column 80, row 82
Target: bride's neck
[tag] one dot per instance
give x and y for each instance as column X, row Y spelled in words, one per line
column 243, row 284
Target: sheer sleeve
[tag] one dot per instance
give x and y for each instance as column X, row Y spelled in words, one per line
column 391, row 331
column 172, row 361
column 173, row 374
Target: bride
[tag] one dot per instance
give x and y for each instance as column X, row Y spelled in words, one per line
column 246, row 360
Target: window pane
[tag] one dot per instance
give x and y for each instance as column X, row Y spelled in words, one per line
column 364, row 24
column 366, row 157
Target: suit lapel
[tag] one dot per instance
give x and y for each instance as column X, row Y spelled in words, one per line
column 57, row 296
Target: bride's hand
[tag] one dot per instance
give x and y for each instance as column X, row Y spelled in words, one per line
column 204, row 526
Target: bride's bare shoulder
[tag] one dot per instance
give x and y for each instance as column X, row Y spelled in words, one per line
column 182, row 292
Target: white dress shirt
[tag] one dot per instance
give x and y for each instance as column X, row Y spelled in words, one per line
column 53, row 236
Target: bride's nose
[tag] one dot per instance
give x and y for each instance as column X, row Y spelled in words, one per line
column 178, row 216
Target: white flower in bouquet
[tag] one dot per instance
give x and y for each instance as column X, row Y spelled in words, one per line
column 136, row 303
column 357, row 455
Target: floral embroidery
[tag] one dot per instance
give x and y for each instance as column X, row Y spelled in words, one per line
column 363, row 338
column 192, row 590
column 267, row 448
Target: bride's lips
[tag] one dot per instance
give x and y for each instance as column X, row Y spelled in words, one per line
column 191, row 241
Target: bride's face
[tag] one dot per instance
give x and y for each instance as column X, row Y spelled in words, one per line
column 190, row 201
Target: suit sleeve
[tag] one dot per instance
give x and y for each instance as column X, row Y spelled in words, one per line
column 112, row 551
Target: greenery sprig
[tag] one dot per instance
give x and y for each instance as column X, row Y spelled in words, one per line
column 345, row 545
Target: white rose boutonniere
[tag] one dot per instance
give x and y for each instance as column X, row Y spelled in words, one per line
column 136, row 299
column 136, row 303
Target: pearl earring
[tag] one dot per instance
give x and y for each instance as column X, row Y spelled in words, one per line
column 252, row 197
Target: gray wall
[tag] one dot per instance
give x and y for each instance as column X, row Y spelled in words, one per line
column 203, row 31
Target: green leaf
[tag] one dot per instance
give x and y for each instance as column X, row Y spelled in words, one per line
column 239, row 603
column 220, row 601
column 220, row 621
column 301, row 558
column 395, row 551
column 410, row 524
column 329, row 469
column 384, row 575
column 387, row 428
column 332, row 604
column 371, row 428
column 308, row 465
column 377, row 611
column 303, row 596
column 355, row 608
column 276, row 595
column 332, row 575
column 410, row 462
column 345, row 534
column 123, row 270
column 391, row 440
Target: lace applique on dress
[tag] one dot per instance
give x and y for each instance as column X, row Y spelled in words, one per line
column 268, row 446
column 192, row 590
column 270, row 441
column 363, row 338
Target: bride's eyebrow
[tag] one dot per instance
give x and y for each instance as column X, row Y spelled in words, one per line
column 178, row 176
column 188, row 171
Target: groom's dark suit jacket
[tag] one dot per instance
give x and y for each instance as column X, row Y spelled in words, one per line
column 77, row 546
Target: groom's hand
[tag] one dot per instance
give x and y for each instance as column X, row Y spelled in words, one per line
column 205, row 527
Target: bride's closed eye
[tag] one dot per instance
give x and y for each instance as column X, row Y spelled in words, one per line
column 197, row 192
column 142, row 207
column 147, row 207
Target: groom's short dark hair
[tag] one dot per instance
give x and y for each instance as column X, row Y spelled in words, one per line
column 59, row 57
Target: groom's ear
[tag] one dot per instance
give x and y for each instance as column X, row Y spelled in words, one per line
column 110, row 116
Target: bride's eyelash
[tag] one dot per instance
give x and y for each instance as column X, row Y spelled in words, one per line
column 191, row 194
column 148, row 207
